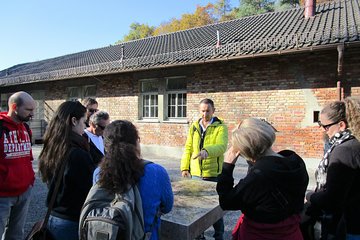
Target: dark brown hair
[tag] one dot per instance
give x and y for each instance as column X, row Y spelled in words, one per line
column 57, row 138
column 121, row 166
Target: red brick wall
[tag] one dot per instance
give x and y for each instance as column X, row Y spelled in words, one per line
column 285, row 90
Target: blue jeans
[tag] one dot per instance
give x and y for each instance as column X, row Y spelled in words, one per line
column 219, row 225
column 63, row 229
column 13, row 212
column 352, row 237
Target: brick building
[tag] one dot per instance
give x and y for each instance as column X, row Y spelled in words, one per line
column 280, row 66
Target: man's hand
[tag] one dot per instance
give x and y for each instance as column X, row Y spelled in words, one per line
column 231, row 156
column 185, row 173
column 202, row 155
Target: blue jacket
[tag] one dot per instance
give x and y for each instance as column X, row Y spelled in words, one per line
column 155, row 190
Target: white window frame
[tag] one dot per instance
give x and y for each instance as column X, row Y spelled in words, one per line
column 177, row 92
column 150, row 106
column 149, row 94
column 162, row 95
column 176, row 105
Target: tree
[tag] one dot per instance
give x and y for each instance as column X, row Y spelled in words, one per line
column 223, row 11
column 254, row 7
column 202, row 16
column 137, row 31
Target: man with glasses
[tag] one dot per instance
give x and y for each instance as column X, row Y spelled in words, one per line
column 94, row 134
column 91, row 107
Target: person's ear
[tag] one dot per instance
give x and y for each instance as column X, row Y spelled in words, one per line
column 342, row 125
column 73, row 121
column 13, row 107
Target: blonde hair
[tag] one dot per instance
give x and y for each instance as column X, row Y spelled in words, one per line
column 352, row 106
column 252, row 138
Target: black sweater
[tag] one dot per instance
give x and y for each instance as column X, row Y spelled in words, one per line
column 342, row 189
column 272, row 191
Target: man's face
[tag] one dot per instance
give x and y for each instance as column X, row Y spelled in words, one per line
column 91, row 109
column 26, row 111
column 100, row 127
column 206, row 112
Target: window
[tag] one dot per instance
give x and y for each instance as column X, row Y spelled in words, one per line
column 150, row 108
column 316, row 116
column 176, row 101
column 80, row 92
column 89, row 91
column 163, row 99
column 74, row 93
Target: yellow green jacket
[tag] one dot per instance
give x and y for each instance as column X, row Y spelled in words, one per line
column 215, row 142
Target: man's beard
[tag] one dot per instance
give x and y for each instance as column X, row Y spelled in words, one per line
column 24, row 119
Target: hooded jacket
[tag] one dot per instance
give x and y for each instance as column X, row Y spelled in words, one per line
column 16, row 172
column 214, row 141
column 272, row 191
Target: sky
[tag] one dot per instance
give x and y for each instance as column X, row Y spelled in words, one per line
column 33, row 30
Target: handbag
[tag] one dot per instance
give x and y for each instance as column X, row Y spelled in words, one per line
column 39, row 231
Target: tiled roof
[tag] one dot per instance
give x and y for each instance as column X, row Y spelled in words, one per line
column 334, row 22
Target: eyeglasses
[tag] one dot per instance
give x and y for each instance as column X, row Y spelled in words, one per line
column 327, row 126
column 92, row 110
column 101, row 127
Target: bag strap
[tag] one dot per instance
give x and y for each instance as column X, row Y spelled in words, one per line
column 56, row 189
column 156, row 217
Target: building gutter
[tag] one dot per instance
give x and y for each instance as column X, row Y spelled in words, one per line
column 340, row 49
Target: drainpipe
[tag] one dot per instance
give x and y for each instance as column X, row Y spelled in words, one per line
column 340, row 49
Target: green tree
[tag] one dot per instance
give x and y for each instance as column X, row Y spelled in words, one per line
column 254, row 7
column 222, row 10
column 137, row 31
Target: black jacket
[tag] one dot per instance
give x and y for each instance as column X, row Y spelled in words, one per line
column 76, row 182
column 272, row 191
column 342, row 189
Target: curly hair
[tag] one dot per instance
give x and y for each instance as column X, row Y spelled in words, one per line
column 352, row 105
column 121, row 166
column 57, row 138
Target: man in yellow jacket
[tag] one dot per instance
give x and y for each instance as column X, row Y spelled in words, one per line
column 204, row 151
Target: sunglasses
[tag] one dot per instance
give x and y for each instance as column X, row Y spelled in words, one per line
column 101, row 127
column 92, row 110
column 327, row 126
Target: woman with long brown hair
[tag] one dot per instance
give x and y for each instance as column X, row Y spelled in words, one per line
column 64, row 144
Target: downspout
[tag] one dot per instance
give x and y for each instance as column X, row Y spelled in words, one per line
column 340, row 49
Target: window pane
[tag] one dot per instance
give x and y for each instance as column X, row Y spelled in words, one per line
column 176, row 84
column 173, row 99
column 149, row 86
column 73, row 92
column 90, row 91
column 150, row 106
